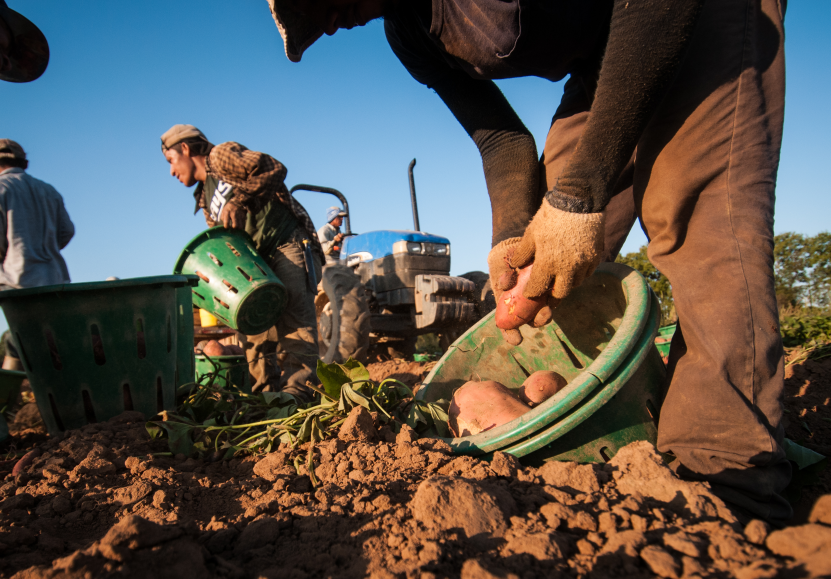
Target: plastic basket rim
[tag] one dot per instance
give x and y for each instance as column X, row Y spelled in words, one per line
column 173, row 280
column 204, row 235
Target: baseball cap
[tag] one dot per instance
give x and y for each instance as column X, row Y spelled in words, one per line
column 333, row 212
column 178, row 133
column 28, row 50
column 298, row 31
column 11, row 150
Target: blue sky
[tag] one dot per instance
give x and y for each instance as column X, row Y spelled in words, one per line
column 349, row 117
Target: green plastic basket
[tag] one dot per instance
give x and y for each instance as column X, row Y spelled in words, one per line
column 10, row 382
column 663, row 340
column 235, row 283
column 233, row 370
column 93, row 350
column 601, row 341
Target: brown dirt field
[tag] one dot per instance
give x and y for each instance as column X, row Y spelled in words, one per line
column 104, row 501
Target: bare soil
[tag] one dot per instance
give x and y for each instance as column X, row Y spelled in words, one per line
column 106, row 501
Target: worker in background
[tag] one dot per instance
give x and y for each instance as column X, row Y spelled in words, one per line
column 35, row 228
column 24, row 52
column 245, row 190
column 672, row 114
column 330, row 236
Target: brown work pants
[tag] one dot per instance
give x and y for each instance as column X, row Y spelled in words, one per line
column 702, row 184
column 285, row 356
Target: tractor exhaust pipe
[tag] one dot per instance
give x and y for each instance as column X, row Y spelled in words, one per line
column 413, row 196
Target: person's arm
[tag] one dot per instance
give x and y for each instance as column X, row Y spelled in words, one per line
column 252, row 174
column 66, row 229
column 646, row 45
column 327, row 240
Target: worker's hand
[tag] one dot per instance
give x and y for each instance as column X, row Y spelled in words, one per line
column 564, row 247
column 338, row 238
column 503, row 277
column 233, row 215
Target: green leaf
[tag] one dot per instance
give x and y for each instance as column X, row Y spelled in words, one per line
column 278, row 398
column 280, row 412
column 332, row 377
column 440, row 418
column 355, row 370
column 353, row 399
column 179, row 436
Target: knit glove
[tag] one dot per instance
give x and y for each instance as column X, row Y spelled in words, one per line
column 565, row 248
column 503, row 277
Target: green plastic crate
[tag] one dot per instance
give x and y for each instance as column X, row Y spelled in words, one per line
column 93, row 350
column 233, row 370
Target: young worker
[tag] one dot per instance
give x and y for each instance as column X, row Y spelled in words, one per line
column 24, row 52
column 244, row 189
column 34, row 228
column 673, row 114
column 330, row 235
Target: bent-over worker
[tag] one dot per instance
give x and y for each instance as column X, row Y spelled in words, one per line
column 673, row 114
column 34, row 228
column 243, row 189
column 330, row 235
column 24, row 52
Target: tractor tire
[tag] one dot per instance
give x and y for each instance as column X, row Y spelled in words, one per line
column 484, row 301
column 343, row 316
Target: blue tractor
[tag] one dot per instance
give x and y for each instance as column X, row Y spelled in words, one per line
column 391, row 286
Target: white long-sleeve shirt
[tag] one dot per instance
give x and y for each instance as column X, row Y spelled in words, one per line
column 34, row 227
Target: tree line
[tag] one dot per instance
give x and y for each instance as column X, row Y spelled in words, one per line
column 802, row 274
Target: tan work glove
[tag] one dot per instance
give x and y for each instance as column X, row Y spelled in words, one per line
column 503, row 277
column 233, row 215
column 565, row 248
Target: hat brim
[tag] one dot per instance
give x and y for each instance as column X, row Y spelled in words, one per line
column 298, row 31
column 29, row 50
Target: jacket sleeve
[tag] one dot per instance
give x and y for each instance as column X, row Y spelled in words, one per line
column 509, row 154
column 326, row 238
column 66, row 229
column 252, row 174
column 646, row 45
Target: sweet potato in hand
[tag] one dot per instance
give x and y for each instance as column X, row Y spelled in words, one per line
column 540, row 386
column 480, row 406
column 513, row 309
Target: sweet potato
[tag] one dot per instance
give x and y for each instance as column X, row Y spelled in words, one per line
column 213, row 348
column 513, row 309
column 540, row 386
column 480, row 406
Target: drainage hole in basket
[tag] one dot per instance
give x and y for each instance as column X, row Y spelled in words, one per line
column 89, row 412
column 53, row 350
column 159, row 395
column 262, row 271
column 223, row 304
column 575, row 362
column 653, row 412
column 169, row 335
column 200, row 296
column 245, row 275
column 214, row 259
column 128, row 398
column 605, row 454
column 97, row 345
column 221, row 317
column 55, row 414
column 203, row 277
column 141, row 345
column 22, row 352
column 233, row 249
column 231, row 288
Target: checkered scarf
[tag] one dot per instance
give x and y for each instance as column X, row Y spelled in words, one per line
column 257, row 178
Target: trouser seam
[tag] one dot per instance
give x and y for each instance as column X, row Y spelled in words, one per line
column 728, row 185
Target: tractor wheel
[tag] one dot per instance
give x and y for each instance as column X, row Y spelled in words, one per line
column 483, row 300
column 343, row 316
